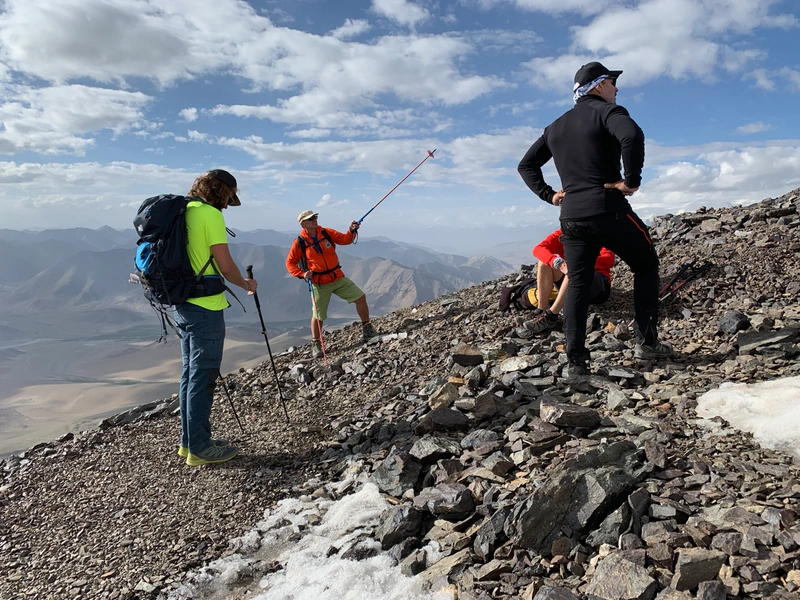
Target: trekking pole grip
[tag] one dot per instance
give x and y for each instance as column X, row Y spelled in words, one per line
column 249, row 270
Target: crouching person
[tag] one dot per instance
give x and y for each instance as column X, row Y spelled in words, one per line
column 553, row 270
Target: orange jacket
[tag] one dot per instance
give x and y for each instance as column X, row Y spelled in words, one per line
column 551, row 246
column 320, row 256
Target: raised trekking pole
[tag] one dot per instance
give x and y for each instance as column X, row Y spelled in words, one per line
column 269, row 350
column 430, row 155
column 228, row 394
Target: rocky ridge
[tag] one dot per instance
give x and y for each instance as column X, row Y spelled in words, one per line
column 607, row 487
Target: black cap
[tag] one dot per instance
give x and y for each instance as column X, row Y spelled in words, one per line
column 591, row 71
column 228, row 180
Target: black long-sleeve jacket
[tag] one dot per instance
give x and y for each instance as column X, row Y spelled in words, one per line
column 587, row 143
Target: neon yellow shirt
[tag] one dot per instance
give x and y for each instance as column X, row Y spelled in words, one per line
column 205, row 227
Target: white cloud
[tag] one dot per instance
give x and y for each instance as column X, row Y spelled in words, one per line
column 784, row 78
column 312, row 133
column 32, row 32
column 350, row 29
column 56, row 194
column 792, row 76
column 188, row 114
column 402, row 12
column 327, row 201
column 756, row 127
column 54, row 120
column 675, row 38
column 341, row 84
column 718, row 177
column 586, row 7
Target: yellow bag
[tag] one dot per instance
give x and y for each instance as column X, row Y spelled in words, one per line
column 533, row 298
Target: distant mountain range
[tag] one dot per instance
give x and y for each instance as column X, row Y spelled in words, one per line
column 76, row 280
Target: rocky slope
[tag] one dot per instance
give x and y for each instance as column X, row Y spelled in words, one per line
column 534, row 487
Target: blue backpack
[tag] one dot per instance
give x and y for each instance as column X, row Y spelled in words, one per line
column 162, row 259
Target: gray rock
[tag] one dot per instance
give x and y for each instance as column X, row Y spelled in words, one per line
column 398, row 523
column 733, row 321
column 568, row 415
column 448, row 500
column 467, row 356
column 578, row 495
column 490, row 534
column 442, row 419
column 750, row 341
column 554, row 593
column 431, row 448
column 612, row 527
column 695, row 565
column 414, row 563
column 711, row 590
column 478, row 437
column 619, row 579
column 397, row 473
column 444, row 396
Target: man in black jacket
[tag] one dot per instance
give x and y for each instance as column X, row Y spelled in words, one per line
column 587, row 143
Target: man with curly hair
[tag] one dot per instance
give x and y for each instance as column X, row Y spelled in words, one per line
column 201, row 320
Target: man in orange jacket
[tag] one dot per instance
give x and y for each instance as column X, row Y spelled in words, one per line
column 552, row 269
column 313, row 257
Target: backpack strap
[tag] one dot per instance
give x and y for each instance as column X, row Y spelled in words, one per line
column 303, row 260
column 224, row 285
column 303, row 245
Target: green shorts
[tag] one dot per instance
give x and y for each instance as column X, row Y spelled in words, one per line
column 343, row 287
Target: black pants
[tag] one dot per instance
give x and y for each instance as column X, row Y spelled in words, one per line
column 626, row 236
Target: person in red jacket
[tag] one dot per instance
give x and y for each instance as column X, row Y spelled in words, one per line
column 313, row 257
column 552, row 270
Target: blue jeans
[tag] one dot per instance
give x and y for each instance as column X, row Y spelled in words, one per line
column 203, row 334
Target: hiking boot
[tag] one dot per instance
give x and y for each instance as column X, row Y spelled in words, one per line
column 520, row 319
column 653, row 351
column 576, row 369
column 183, row 451
column 544, row 322
column 368, row 332
column 211, row 455
column 316, row 349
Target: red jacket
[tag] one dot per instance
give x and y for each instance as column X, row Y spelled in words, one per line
column 551, row 246
column 320, row 256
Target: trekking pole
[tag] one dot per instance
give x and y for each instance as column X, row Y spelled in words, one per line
column 673, row 280
column 430, row 155
column 687, row 273
column 228, row 394
column 269, row 350
column 691, row 272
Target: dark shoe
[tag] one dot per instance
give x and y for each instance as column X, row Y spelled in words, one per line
column 576, row 369
column 520, row 319
column 316, row 349
column 183, row 451
column 544, row 322
column 652, row 351
column 368, row 332
column 211, row 455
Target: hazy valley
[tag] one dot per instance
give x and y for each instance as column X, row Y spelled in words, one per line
column 77, row 341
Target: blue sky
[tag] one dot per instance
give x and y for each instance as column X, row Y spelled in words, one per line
column 326, row 105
